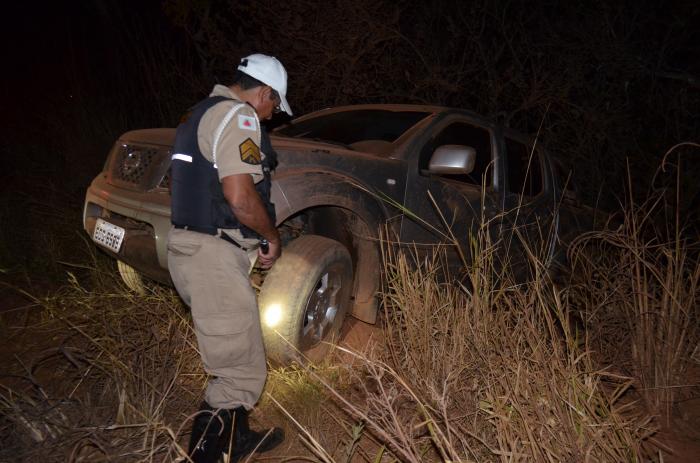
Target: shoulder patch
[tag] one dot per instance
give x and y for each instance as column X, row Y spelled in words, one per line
column 246, row 122
column 250, row 152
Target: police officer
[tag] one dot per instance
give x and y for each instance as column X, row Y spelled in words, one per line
column 220, row 211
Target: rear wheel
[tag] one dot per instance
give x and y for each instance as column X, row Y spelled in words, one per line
column 304, row 299
column 131, row 278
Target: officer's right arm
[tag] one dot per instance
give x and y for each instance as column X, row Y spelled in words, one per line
column 240, row 193
column 238, row 161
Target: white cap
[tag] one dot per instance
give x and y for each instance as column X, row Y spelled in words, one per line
column 269, row 71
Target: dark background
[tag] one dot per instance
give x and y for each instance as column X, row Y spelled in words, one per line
column 608, row 87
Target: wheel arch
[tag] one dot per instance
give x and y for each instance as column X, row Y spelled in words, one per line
column 335, row 207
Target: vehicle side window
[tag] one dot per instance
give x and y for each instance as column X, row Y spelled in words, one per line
column 461, row 133
column 523, row 179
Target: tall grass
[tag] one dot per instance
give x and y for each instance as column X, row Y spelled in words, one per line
column 493, row 374
column 639, row 284
column 488, row 370
column 117, row 368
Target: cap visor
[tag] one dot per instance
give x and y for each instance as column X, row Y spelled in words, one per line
column 285, row 105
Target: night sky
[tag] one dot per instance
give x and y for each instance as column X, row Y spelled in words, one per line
column 65, row 73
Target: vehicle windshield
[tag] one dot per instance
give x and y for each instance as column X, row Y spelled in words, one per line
column 349, row 127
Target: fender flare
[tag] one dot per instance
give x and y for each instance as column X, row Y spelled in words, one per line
column 297, row 191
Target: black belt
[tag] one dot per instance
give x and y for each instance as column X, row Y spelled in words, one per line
column 212, row 232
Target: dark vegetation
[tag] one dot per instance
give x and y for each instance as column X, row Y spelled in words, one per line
column 609, row 88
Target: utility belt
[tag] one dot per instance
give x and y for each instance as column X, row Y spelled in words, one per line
column 210, row 231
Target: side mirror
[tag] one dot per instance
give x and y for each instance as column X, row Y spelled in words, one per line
column 452, row 159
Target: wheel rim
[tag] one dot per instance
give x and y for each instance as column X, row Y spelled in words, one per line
column 322, row 307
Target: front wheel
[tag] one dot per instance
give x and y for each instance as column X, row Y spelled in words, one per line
column 131, row 278
column 304, row 298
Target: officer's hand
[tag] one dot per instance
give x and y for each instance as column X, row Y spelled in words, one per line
column 273, row 252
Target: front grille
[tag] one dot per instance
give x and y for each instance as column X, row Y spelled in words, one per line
column 141, row 167
column 133, row 163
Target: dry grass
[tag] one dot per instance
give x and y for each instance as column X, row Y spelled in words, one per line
column 491, row 375
column 116, row 368
column 488, row 370
column 639, row 285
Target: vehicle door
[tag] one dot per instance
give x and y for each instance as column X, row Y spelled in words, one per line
column 460, row 201
column 529, row 218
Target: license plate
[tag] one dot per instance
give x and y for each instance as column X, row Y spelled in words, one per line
column 108, row 235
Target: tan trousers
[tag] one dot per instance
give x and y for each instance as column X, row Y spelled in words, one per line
column 211, row 276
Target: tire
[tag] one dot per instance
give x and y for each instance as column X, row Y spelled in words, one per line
column 131, row 278
column 304, row 299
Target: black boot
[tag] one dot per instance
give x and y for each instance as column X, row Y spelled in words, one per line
column 211, row 431
column 245, row 440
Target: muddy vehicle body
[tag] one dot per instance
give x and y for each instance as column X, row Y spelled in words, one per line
column 344, row 174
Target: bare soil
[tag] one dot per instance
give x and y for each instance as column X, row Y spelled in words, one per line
column 682, row 435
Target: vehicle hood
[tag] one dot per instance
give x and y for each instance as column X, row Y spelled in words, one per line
column 159, row 136
column 166, row 137
column 377, row 149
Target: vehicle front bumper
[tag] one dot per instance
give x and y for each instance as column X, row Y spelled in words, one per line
column 146, row 223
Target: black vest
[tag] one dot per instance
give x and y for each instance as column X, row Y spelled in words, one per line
column 197, row 198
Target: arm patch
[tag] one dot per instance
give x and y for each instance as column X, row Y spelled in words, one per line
column 250, row 152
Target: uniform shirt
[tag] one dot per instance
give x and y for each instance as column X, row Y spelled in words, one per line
column 233, row 147
column 238, row 150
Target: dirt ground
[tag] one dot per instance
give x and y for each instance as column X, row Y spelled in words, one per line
column 682, row 435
